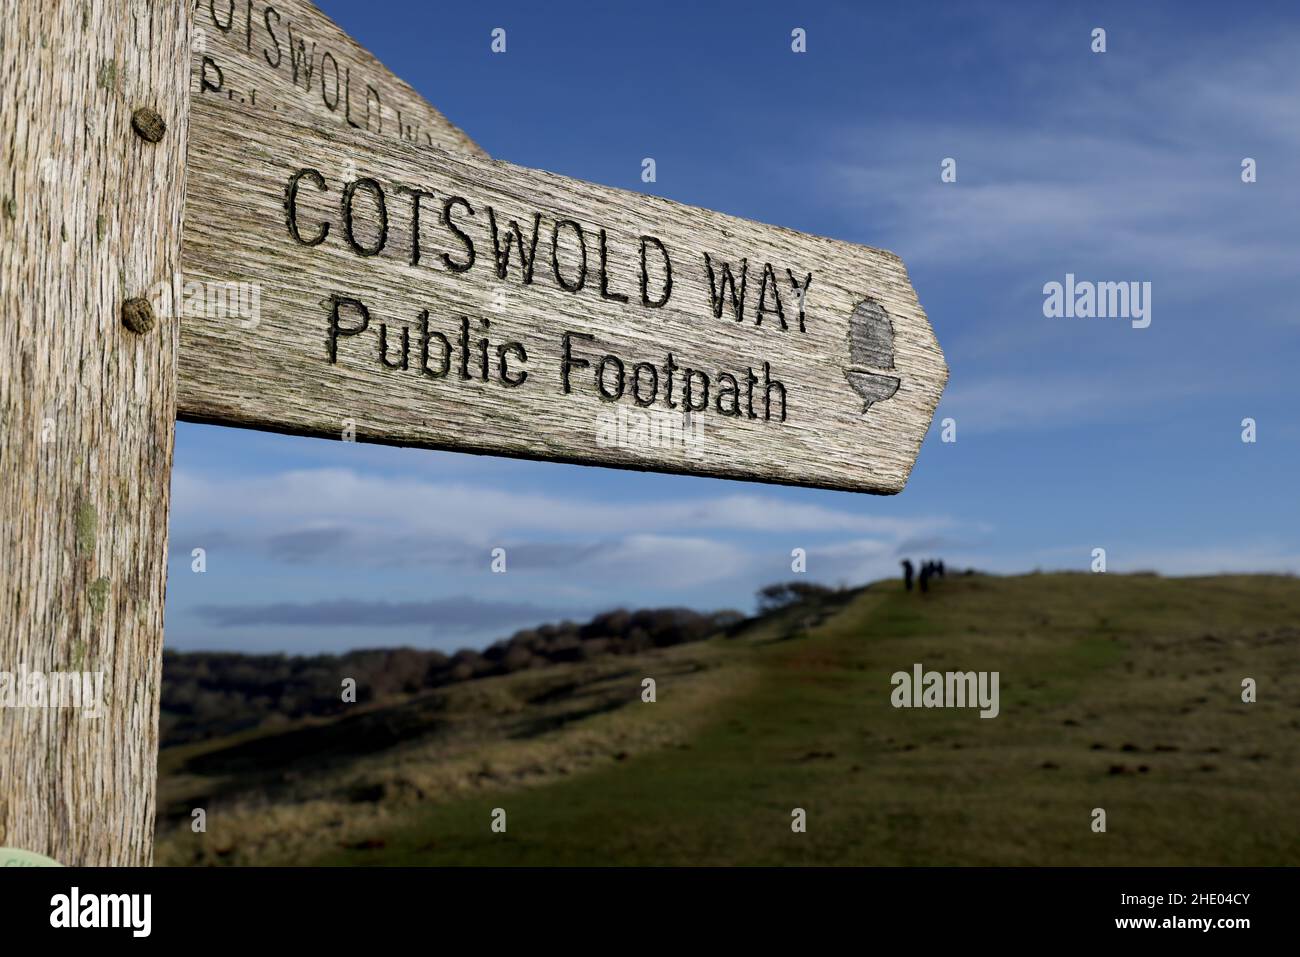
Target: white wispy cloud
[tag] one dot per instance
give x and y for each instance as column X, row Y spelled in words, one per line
column 1140, row 169
column 1017, row 401
column 308, row 516
column 308, row 498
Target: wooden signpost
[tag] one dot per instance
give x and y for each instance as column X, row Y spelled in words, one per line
column 328, row 273
column 418, row 298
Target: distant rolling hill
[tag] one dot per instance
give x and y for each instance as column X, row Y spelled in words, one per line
column 1122, row 693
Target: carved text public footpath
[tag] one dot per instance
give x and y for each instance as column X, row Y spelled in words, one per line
column 577, row 259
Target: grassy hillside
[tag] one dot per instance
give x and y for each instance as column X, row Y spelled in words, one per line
column 1119, row 692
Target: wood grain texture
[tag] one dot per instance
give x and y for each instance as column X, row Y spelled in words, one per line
column 273, row 370
column 287, row 54
column 91, row 215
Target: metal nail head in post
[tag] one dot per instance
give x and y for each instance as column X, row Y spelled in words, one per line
column 148, row 125
column 137, row 315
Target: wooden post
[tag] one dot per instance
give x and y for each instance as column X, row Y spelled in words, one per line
column 92, row 191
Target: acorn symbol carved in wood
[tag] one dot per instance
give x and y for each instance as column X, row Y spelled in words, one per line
column 871, row 348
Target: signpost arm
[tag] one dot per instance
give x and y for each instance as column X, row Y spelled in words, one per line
column 93, row 140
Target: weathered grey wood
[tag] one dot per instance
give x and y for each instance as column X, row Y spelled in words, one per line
column 287, row 54
column 90, row 217
column 272, row 370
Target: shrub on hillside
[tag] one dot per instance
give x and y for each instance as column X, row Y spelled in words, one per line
column 781, row 595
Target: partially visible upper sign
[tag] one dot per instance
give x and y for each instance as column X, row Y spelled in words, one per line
column 289, row 55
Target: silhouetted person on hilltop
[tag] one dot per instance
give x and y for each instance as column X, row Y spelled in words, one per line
column 939, row 567
column 907, row 574
column 924, row 578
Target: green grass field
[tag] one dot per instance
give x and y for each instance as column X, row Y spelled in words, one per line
column 1117, row 692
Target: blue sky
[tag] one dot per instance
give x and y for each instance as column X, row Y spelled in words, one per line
column 1072, row 434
